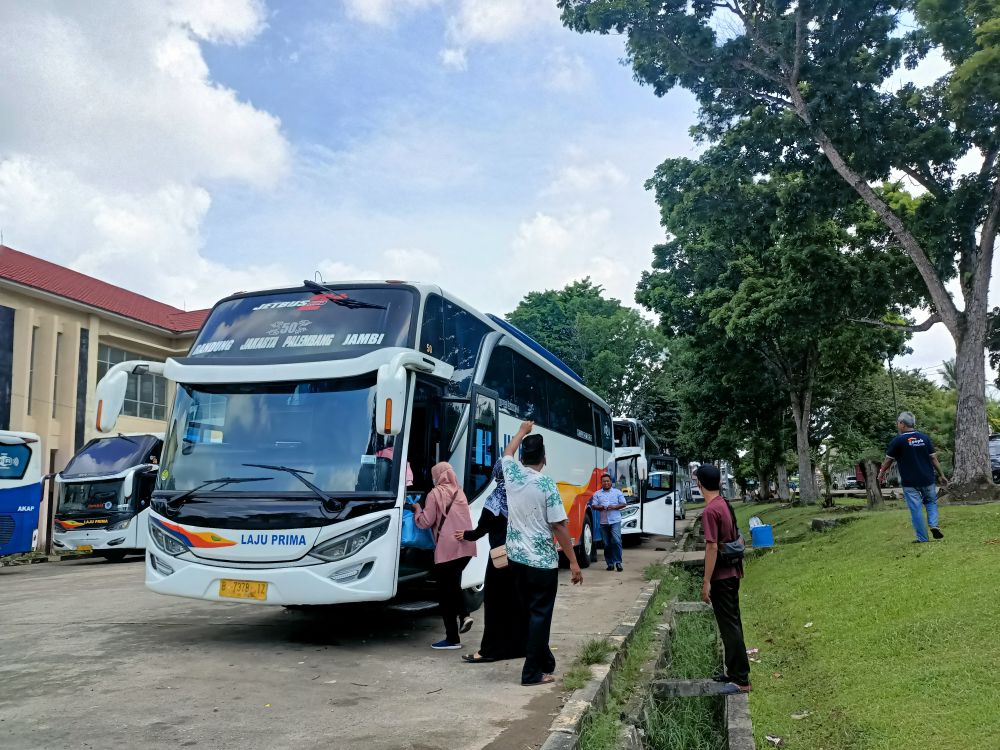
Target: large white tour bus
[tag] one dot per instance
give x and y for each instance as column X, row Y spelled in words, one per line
column 104, row 493
column 299, row 416
column 651, row 489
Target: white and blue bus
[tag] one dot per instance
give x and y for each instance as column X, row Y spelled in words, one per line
column 20, row 491
column 299, row 416
column 652, row 492
column 104, row 493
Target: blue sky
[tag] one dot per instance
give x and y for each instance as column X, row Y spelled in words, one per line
column 191, row 148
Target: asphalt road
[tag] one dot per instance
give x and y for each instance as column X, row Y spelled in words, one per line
column 90, row 659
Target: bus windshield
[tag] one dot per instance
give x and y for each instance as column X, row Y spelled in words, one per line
column 323, row 429
column 103, row 496
column 343, row 322
column 111, row 455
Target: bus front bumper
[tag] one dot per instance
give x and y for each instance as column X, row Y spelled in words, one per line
column 365, row 578
column 93, row 540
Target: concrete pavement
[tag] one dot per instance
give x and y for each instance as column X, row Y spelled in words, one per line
column 91, row 659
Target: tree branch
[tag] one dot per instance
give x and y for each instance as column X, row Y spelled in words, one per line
column 928, row 182
column 917, row 328
column 800, row 40
column 987, row 245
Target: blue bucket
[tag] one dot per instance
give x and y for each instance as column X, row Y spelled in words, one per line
column 762, row 536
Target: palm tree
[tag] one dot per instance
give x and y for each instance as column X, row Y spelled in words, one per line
column 949, row 375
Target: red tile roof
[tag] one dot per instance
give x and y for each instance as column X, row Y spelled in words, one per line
column 49, row 277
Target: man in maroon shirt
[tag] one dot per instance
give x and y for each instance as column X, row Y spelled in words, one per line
column 722, row 582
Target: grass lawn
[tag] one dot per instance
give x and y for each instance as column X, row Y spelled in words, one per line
column 904, row 646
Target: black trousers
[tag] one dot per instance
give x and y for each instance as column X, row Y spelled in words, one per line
column 505, row 622
column 726, row 605
column 536, row 589
column 448, row 576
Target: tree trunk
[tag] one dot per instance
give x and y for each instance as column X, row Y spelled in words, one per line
column 801, row 412
column 972, row 457
column 827, row 484
column 764, row 486
column 874, row 492
column 783, row 494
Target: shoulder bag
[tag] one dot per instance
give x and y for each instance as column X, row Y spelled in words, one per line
column 732, row 552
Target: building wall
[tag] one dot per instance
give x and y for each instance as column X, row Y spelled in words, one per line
column 62, row 405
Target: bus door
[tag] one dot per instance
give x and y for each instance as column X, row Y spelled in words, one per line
column 658, row 499
column 483, row 442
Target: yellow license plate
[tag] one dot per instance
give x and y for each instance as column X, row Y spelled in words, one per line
column 85, row 548
column 243, row 589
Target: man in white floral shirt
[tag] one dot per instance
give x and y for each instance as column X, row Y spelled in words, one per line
column 535, row 513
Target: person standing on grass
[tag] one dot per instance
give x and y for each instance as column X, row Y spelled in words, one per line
column 914, row 453
column 721, row 587
column 534, row 513
column 610, row 501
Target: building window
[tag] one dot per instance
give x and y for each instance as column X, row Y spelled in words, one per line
column 146, row 395
column 31, row 367
column 55, row 379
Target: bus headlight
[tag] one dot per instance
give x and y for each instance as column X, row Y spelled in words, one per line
column 120, row 525
column 630, row 511
column 342, row 547
column 166, row 542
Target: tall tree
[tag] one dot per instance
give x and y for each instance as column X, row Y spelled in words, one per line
column 823, row 73
column 772, row 265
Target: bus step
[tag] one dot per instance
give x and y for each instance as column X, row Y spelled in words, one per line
column 417, row 606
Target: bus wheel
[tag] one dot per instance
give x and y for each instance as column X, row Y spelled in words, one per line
column 114, row 555
column 473, row 597
column 586, row 546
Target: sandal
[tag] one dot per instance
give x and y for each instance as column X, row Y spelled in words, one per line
column 476, row 659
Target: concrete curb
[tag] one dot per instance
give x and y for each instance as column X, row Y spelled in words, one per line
column 565, row 729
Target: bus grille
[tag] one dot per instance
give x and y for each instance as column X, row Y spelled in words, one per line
column 6, row 529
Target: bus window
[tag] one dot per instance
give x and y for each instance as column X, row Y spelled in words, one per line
column 453, row 335
column 607, row 437
column 14, row 460
column 628, row 478
column 500, row 378
column 529, row 391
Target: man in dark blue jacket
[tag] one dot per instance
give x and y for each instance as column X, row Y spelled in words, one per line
column 914, row 454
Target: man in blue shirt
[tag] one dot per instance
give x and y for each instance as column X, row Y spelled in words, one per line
column 610, row 501
column 913, row 452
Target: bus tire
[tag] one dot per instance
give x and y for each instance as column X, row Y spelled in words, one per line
column 114, row 555
column 473, row 597
column 586, row 547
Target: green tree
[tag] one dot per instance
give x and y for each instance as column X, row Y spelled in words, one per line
column 822, row 74
column 778, row 267
column 618, row 353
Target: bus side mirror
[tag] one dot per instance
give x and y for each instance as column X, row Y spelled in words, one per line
column 643, row 468
column 390, row 399
column 110, row 399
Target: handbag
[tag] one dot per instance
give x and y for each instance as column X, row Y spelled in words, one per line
column 499, row 556
column 732, row 552
column 413, row 536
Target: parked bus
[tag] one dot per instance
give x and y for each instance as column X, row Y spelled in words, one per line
column 104, row 494
column 632, row 433
column 299, row 416
column 651, row 490
column 20, row 491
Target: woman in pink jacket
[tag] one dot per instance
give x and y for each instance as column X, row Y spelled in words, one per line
column 447, row 512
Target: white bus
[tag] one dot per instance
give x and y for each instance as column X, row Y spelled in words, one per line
column 301, row 412
column 104, row 493
column 632, row 433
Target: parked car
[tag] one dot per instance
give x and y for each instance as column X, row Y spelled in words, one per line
column 853, row 483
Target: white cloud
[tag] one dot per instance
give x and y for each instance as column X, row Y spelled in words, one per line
column 383, row 12
column 113, row 131
column 454, row 58
column 566, row 72
column 493, row 21
column 577, row 178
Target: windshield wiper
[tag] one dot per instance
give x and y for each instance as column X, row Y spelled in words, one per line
column 178, row 500
column 339, row 298
column 332, row 504
column 126, row 437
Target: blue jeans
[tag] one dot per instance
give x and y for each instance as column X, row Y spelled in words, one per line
column 918, row 498
column 611, row 533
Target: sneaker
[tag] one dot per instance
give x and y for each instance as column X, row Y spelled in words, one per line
column 611, row 567
column 731, row 688
column 446, row 645
column 466, row 624
column 936, row 532
column 618, row 567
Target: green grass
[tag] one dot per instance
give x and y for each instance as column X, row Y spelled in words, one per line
column 601, row 729
column 596, row 651
column 576, row 677
column 792, row 525
column 903, row 650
